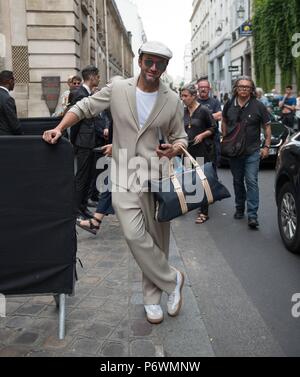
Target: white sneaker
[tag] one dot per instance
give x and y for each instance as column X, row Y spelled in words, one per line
column 175, row 298
column 154, row 314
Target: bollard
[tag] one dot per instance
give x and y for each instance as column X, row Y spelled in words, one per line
column 2, row 46
column 62, row 316
column 2, row 306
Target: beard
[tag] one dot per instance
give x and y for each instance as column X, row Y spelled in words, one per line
column 150, row 79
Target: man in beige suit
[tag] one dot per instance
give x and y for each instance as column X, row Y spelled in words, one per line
column 142, row 108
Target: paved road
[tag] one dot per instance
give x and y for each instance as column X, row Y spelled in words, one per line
column 243, row 280
column 237, row 296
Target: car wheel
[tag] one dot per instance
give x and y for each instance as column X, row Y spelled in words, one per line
column 289, row 217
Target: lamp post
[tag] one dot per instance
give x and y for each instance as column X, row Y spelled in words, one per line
column 249, row 10
column 219, row 30
column 240, row 12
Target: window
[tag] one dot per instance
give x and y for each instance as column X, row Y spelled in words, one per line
column 221, row 62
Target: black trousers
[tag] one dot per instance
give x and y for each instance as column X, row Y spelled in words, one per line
column 288, row 120
column 199, row 151
column 84, row 175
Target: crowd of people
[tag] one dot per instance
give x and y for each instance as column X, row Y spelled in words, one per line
column 125, row 115
column 286, row 107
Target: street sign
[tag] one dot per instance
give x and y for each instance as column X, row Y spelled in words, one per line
column 233, row 68
column 246, row 29
column 51, row 90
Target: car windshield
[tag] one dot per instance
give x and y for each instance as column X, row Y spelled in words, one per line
column 278, row 129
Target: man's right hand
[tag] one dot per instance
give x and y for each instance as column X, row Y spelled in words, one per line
column 52, row 136
column 107, row 150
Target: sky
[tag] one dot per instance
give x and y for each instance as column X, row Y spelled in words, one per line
column 167, row 21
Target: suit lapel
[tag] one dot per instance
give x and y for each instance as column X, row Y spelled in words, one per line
column 5, row 92
column 131, row 98
column 85, row 91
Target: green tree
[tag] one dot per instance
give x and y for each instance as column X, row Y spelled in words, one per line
column 274, row 24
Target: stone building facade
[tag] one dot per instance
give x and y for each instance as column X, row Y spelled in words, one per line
column 188, row 63
column 115, row 55
column 211, row 43
column 219, row 49
column 200, row 31
column 57, row 38
column 134, row 23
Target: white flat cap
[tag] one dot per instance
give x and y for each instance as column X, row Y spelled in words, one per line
column 156, row 48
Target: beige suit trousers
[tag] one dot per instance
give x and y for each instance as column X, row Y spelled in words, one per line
column 148, row 241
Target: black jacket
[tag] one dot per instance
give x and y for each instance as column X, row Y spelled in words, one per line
column 83, row 133
column 9, row 123
column 104, row 121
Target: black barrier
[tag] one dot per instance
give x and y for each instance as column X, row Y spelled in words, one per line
column 37, row 126
column 37, row 216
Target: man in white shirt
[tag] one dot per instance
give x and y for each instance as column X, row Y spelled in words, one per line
column 140, row 107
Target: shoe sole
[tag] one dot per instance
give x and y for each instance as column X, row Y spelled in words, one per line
column 239, row 217
column 181, row 298
column 154, row 321
column 86, row 229
column 253, row 227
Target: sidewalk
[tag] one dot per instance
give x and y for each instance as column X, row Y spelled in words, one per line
column 106, row 317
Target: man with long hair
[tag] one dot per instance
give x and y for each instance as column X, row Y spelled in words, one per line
column 250, row 114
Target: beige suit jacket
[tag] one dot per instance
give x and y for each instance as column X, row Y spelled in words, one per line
column 131, row 142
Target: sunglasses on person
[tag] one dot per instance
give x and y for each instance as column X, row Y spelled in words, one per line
column 160, row 65
column 244, row 87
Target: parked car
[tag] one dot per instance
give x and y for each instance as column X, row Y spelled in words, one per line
column 287, row 191
column 279, row 135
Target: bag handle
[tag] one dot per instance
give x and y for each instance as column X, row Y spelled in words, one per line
column 199, row 171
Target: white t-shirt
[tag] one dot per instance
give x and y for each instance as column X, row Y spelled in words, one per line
column 145, row 103
column 298, row 108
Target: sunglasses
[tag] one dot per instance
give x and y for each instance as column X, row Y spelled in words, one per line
column 160, row 65
column 244, row 87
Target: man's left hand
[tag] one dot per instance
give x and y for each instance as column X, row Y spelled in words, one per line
column 167, row 150
column 198, row 139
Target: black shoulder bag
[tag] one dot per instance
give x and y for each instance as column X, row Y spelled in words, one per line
column 178, row 193
column 234, row 143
